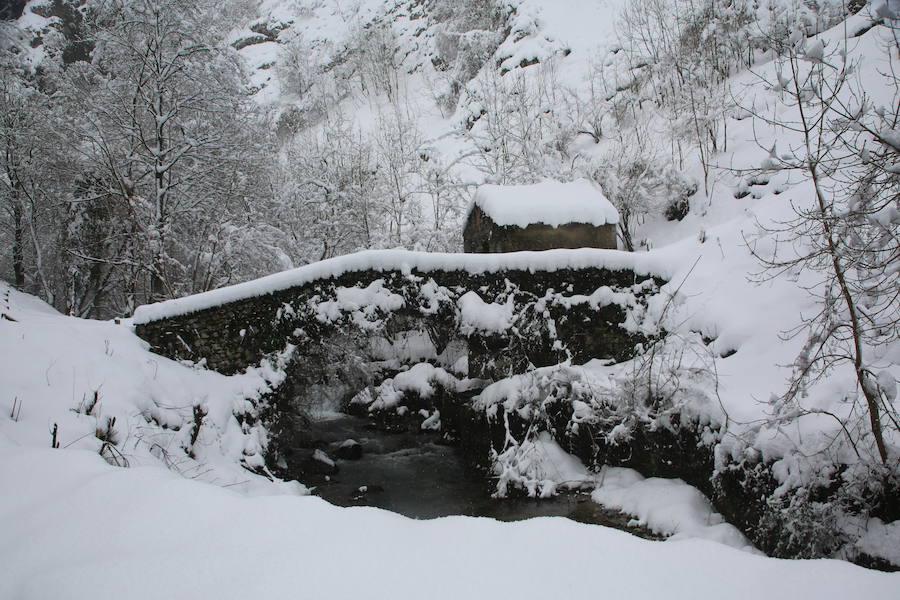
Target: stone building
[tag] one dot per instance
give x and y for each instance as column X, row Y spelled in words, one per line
column 542, row 216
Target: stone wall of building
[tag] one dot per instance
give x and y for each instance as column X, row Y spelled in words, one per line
column 481, row 234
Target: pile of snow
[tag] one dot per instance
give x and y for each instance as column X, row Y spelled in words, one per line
column 419, row 382
column 363, row 303
column 477, row 315
column 550, row 202
column 420, row 379
column 881, row 539
column 669, row 507
column 665, row 506
column 540, row 467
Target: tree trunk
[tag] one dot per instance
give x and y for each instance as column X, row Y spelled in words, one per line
column 18, row 243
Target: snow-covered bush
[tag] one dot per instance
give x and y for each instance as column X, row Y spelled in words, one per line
column 600, row 413
column 641, row 184
column 298, row 69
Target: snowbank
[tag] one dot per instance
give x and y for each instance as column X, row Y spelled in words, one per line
column 666, row 506
column 95, row 382
column 550, row 202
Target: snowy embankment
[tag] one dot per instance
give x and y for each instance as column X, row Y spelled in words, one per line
column 78, row 528
column 94, row 386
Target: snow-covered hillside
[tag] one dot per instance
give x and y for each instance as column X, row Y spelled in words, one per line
column 93, row 386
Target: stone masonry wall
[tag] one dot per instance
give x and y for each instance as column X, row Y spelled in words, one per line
column 483, row 235
column 241, row 333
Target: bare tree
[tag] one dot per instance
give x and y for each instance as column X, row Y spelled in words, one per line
column 162, row 115
column 849, row 235
column 639, row 181
column 330, row 200
column 522, row 132
column 398, row 151
column 31, row 179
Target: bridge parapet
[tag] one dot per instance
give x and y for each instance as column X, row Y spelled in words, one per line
column 512, row 310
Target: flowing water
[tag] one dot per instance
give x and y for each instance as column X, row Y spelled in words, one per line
column 420, row 476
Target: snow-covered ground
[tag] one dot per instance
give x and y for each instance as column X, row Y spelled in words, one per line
column 184, row 526
column 95, row 381
column 74, row 527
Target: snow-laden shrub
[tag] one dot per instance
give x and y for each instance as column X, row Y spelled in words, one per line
column 599, row 413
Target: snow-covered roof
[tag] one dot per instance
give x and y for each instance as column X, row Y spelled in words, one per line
column 550, row 202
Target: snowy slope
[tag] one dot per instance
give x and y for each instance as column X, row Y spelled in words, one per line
column 76, row 375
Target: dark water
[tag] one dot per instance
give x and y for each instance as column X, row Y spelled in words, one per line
column 419, row 476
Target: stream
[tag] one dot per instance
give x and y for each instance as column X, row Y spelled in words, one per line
column 421, row 476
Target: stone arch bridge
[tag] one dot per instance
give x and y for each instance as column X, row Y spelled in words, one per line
column 504, row 313
column 446, row 324
column 344, row 328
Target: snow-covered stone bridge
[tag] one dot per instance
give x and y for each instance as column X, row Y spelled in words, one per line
column 501, row 312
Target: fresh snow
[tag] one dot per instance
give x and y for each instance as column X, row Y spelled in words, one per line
column 152, row 531
column 78, row 528
column 71, row 526
column 420, row 379
column 477, row 315
column 77, row 374
column 541, row 467
column 666, row 506
column 550, row 202
column 362, row 302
